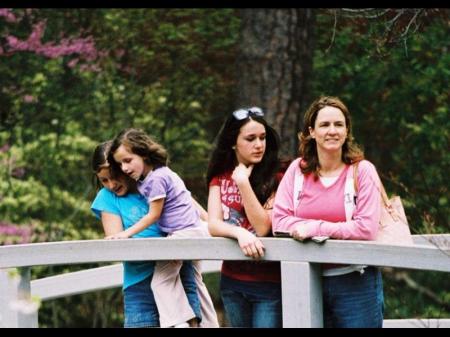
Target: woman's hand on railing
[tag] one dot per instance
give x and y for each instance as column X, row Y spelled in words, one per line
column 300, row 233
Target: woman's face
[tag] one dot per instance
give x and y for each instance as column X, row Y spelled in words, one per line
column 330, row 130
column 251, row 143
column 117, row 186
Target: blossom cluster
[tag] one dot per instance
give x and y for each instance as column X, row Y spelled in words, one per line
column 81, row 48
column 14, row 234
column 66, row 46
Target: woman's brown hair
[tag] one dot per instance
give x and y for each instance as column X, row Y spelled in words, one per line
column 351, row 152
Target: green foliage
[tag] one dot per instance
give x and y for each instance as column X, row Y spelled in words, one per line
column 399, row 104
column 400, row 110
column 171, row 73
column 70, row 151
column 166, row 71
column 423, row 294
column 42, row 191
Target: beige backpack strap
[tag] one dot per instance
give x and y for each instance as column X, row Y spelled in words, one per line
column 349, row 195
column 298, row 187
column 384, row 196
column 355, row 177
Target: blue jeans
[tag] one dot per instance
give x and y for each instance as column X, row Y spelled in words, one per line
column 140, row 308
column 354, row 300
column 251, row 304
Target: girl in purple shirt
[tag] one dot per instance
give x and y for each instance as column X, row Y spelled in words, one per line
column 144, row 160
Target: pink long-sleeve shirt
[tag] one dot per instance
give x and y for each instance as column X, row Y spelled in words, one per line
column 321, row 209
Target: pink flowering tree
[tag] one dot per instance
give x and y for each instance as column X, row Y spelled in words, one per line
column 35, row 53
column 80, row 48
column 11, row 234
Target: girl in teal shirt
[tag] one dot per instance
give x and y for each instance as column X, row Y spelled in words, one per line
column 119, row 205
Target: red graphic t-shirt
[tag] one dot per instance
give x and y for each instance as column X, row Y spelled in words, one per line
column 234, row 214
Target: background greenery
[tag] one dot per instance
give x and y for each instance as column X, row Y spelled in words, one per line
column 170, row 72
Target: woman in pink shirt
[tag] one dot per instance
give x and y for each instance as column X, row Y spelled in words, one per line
column 352, row 294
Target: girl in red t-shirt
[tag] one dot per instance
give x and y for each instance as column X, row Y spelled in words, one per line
column 242, row 179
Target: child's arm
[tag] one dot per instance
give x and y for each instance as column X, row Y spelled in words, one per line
column 112, row 224
column 258, row 215
column 201, row 210
column 248, row 242
column 151, row 217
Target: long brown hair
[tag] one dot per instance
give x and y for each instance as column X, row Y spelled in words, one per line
column 351, row 152
column 140, row 143
column 99, row 161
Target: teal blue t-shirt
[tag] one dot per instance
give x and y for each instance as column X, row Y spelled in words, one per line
column 131, row 208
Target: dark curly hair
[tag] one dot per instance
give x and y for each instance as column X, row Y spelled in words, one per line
column 223, row 158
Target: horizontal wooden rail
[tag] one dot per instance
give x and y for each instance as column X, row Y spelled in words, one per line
column 107, row 277
column 424, row 256
column 94, row 279
column 300, row 268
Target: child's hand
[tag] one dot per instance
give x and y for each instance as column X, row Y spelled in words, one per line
column 241, row 173
column 120, row 235
column 250, row 244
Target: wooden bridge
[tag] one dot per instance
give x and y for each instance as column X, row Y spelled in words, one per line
column 300, row 268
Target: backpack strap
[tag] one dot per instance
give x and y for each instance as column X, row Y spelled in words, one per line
column 350, row 191
column 298, row 187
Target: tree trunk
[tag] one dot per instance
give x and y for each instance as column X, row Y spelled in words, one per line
column 274, row 67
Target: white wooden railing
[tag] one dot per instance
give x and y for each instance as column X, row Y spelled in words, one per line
column 300, row 268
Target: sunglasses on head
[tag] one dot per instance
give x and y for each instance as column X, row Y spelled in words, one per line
column 245, row 113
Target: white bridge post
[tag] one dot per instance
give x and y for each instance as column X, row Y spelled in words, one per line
column 15, row 299
column 301, row 295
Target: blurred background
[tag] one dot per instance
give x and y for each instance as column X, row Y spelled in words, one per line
column 71, row 78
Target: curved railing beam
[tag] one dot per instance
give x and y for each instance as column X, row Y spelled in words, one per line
column 423, row 257
column 83, row 281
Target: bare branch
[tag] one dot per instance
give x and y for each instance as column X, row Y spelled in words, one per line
column 368, row 13
column 403, row 276
column 397, row 24
column 413, row 20
column 394, row 20
column 334, row 31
